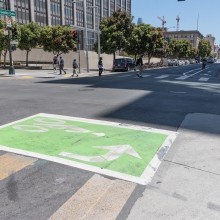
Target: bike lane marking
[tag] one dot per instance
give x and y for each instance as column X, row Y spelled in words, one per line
column 128, row 152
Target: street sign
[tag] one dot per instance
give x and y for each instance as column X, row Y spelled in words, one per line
column 7, row 13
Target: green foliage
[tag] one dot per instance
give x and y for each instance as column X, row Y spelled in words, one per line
column 115, row 31
column 180, row 49
column 57, row 39
column 28, row 36
column 204, row 48
column 137, row 41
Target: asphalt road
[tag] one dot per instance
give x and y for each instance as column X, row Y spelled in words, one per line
column 162, row 99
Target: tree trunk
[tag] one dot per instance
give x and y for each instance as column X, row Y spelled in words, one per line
column 27, row 53
column 4, row 55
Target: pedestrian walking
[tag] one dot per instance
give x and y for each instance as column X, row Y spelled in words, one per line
column 204, row 62
column 61, row 65
column 140, row 65
column 100, row 66
column 55, row 63
column 75, row 68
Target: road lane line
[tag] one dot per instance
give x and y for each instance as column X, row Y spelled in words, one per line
column 11, row 163
column 203, row 79
column 162, row 77
column 99, row 198
column 191, row 71
column 186, row 77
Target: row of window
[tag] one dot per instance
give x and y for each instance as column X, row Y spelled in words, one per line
column 23, row 9
column 182, row 36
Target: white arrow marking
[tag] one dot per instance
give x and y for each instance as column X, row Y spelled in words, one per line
column 114, row 153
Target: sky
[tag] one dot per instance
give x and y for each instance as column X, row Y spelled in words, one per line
column 205, row 13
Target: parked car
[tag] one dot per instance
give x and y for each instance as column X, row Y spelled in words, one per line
column 123, row 64
column 210, row 60
column 192, row 61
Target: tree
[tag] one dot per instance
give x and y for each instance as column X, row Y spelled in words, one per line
column 58, row 39
column 204, row 48
column 136, row 44
column 193, row 53
column 180, row 48
column 115, row 31
column 155, row 42
column 29, row 38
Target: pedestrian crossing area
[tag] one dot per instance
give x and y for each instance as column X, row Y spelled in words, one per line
column 198, row 78
column 56, row 194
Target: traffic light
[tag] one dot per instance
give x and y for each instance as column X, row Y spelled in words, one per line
column 180, row 0
column 74, row 34
column 14, row 33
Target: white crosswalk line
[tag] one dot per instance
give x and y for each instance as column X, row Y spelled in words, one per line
column 162, row 77
column 182, row 77
column 203, row 79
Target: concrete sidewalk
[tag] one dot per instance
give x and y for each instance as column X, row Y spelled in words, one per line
column 49, row 73
column 186, row 185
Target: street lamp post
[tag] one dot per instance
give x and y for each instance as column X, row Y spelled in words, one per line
column 86, row 32
column 11, row 67
column 98, row 31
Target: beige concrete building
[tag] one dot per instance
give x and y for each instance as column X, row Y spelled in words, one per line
column 211, row 40
column 193, row 37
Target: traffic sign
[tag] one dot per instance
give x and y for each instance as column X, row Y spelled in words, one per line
column 7, row 13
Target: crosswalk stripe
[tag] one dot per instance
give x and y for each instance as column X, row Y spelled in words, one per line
column 203, row 79
column 182, row 78
column 162, row 77
column 100, row 198
column 11, row 163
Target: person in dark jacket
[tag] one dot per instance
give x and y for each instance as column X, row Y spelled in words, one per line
column 61, row 65
column 140, row 65
column 100, row 66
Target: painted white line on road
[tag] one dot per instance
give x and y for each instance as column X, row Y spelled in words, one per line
column 177, row 92
column 162, row 77
column 186, row 77
column 203, row 79
column 151, row 169
column 191, row 71
column 123, row 76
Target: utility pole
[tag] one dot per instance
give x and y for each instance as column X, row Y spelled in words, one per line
column 7, row 14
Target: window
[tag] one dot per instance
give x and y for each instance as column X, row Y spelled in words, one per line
column 79, row 14
column 40, row 12
column 123, row 6
column 118, row 4
column 55, row 12
column 129, row 6
column 112, row 6
column 68, row 12
column 22, row 9
column 105, row 8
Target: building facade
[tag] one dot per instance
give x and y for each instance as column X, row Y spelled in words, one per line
column 65, row 12
column 211, row 40
column 193, row 37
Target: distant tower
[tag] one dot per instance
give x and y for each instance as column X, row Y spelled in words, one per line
column 139, row 21
column 178, row 21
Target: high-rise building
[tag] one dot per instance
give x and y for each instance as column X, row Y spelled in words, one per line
column 140, row 21
column 65, row 12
